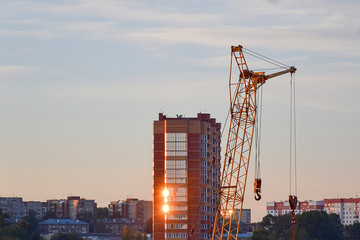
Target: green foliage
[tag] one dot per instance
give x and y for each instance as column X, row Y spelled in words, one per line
column 278, row 227
column 262, row 234
column 49, row 215
column 87, row 217
column 102, row 213
column 66, row 236
column 319, row 225
column 352, row 232
column 2, row 221
column 138, row 236
column 32, row 221
column 22, row 231
column 26, row 229
column 127, row 234
column 313, row 225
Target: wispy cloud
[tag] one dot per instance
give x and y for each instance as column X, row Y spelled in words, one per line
column 144, row 92
column 13, row 70
column 315, row 29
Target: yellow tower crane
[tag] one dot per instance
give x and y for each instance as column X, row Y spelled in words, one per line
column 243, row 109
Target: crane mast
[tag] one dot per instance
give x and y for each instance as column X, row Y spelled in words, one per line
column 243, row 108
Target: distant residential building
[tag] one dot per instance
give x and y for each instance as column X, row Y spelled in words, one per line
column 40, row 208
column 58, row 207
column 132, row 208
column 116, row 225
column 245, row 225
column 14, row 206
column 346, row 208
column 63, row 226
column 139, row 210
column 246, row 216
column 282, row 208
column 77, row 205
column 72, row 207
column 117, row 209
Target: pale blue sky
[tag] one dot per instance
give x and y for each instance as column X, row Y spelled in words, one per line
column 82, row 81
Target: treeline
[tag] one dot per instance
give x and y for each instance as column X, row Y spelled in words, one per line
column 313, row 225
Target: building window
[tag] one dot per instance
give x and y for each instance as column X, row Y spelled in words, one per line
column 176, row 235
column 178, row 208
column 176, row 226
column 176, row 144
column 177, row 217
column 177, row 194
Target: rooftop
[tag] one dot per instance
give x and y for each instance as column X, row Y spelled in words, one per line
column 62, row 221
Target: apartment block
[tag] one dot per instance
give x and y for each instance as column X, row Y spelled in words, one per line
column 132, row 208
column 186, row 167
column 117, row 209
column 346, row 208
column 40, row 208
column 282, row 208
column 14, row 206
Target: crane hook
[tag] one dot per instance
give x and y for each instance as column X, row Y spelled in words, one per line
column 293, row 203
column 257, row 195
column 257, row 189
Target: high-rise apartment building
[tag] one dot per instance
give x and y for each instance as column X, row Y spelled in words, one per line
column 186, row 163
column 347, row 208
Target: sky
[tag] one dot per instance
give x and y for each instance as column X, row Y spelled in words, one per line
column 81, row 83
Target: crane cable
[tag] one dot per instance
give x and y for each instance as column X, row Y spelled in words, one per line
column 293, row 179
column 264, row 58
column 292, row 198
column 258, row 117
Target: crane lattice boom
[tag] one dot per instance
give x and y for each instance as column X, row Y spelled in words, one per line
column 236, row 162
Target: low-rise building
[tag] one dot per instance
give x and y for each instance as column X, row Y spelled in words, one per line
column 116, row 225
column 63, row 226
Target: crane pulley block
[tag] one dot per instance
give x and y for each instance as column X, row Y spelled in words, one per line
column 257, row 189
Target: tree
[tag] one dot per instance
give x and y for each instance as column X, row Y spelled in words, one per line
column 319, row 225
column 261, row 234
column 102, row 213
column 352, row 232
column 66, row 236
column 21, row 231
column 138, row 236
column 87, row 217
column 2, row 221
column 313, row 225
column 278, row 227
column 127, row 233
column 32, row 221
column 49, row 215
